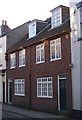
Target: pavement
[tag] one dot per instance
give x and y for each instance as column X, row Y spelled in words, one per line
column 0, row 111
column 29, row 113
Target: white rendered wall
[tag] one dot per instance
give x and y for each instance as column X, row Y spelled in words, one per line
column 1, row 89
column 3, row 67
column 76, row 55
column 3, row 43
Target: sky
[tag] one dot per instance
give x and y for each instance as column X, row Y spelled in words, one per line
column 17, row 12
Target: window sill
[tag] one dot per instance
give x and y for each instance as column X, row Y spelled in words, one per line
column 44, row 96
column 55, row 59
column 21, row 65
column 40, row 62
column 18, row 95
column 12, row 67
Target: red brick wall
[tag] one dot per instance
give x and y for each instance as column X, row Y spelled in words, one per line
column 47, row 69
column 51, row 69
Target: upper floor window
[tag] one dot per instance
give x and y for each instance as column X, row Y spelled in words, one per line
column 55, row 49
column 56, row 18
column 80, row 22
column 44, row 87
column 80, row 15
column 22, row 58
column 12, row 60
column 32, row 29
column 0, row 55
column 40, row 53
column 19, row 87
column 0, row 30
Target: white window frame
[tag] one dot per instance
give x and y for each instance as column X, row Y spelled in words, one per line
column 21, row 58
column 56, row 19
column 39, row 81
column 18, row 82
column 32, row 29
column 55, row 49
column 40, row 48
column 12, row 60
column 80, row 22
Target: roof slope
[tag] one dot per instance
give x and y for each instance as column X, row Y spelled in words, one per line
column 46, row 33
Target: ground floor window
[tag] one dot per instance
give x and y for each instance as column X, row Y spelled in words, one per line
column 19, row 87
column 44, row 87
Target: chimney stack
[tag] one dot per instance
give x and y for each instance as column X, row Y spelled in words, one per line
column 5, row 22
column 2, row 22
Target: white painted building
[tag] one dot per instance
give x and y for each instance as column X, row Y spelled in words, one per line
column 2, row 69
column 76, row 54
column 4, row 29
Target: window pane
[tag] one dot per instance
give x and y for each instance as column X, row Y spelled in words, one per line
column 58, row 50
column 81, row 15
column 55, row 49
column 12, row 60
column 32, row 30
column 44, row 87
column 38, row 56
column 56, row 18
column 39, row 89
column 19, row 87
column 40, row 53
column 22, row 58
column 53, row 52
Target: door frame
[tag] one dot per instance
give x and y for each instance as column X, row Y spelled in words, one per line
column 9, row 81
column 64, row 78
column 3, row 91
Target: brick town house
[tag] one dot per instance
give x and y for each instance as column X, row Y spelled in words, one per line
column 38, row 68
column 13, row 37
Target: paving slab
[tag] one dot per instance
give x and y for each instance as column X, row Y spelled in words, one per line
column 0, row 111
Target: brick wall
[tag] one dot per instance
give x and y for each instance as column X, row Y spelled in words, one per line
column 32, row 71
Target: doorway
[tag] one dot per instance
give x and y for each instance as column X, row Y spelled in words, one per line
column 10, row 91
column 3, row 92
column 62, row 98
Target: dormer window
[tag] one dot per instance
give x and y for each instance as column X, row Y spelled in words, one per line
column 79, row 7
column 80, row 22
column 32, row 29
column 56, row 18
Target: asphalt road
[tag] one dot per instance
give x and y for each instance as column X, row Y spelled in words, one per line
column 12, row 116
column 6, row 114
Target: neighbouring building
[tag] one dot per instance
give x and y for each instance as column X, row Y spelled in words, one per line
column 13, row 38
column 38, row 65
column 4, row 29
column 76, row 55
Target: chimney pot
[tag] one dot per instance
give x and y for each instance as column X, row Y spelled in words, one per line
column 5, row 22
column 2, row 22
